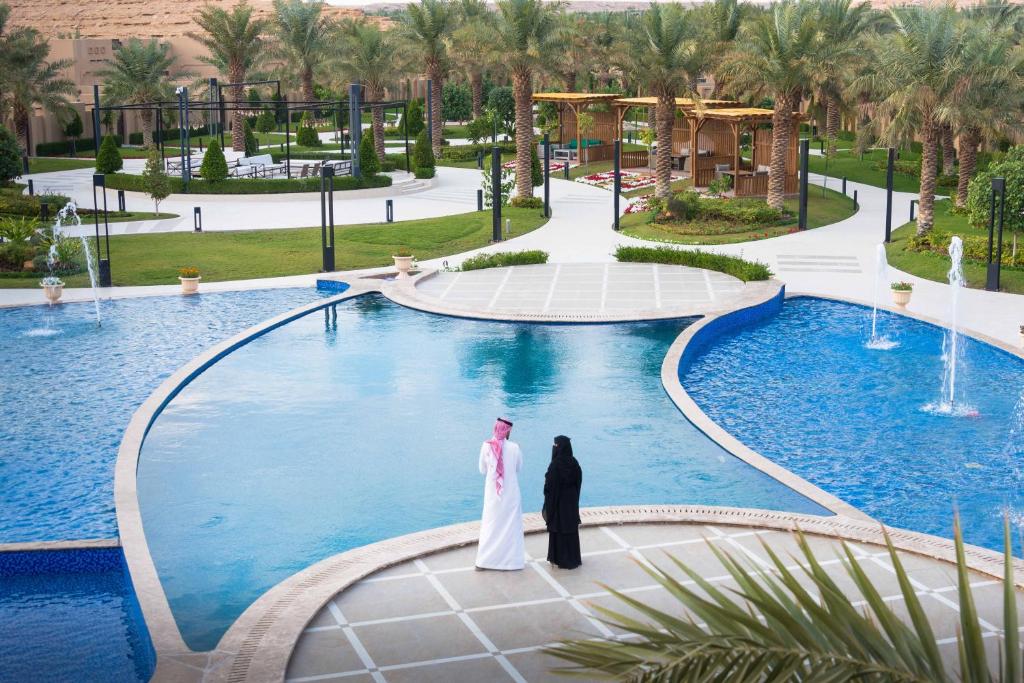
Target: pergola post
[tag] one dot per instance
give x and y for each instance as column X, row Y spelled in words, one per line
column 736, row 159
column 95, row 118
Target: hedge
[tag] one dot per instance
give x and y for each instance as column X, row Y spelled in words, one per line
column 468, row 152
column 730, row 265
column 505, row 258
column 975, row 247
column 168, row 134
column 53, row 149
column 135, row 183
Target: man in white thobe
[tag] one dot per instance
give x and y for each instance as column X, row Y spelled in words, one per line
column 501, row 527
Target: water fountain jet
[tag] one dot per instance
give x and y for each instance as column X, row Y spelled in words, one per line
column 879, row 342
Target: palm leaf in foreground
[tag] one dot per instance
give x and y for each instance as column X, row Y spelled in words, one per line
column 791, row 625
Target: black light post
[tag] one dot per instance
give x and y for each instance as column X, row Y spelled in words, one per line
column 617, row 184
column 96, row 118
column 327, row 217
column 181, row 133
column 547, row 175
column 844, row 185
column 913, row 205
column 355, row 127
column 99, row 181
column 495, row 194
column 287, row 138
column 121, row 201
column 187, row 150
column 389, row 210
column 888, row 194
column 993, row 269
column 479, row 200
column 197, row 218
column 214, row 93
column 804, row 153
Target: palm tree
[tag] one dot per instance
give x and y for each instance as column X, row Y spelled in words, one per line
column 525, row 32
column 427, row 27
column 473, row 46
column 577, row 53
column 141, row 72
column 30, row 80
column 374, row 57
column 776, row 56
column 303, row 36
column 236, row 44
column 919, row 73
column 994, row 98
column 808, row 630
column 722, row 20
column 843, row 25
column 661, row 52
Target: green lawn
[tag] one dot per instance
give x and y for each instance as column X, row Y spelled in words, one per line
column 821, row 210
column 51, row 164
column 846, row 163
column 153, row 259
column 932, row 266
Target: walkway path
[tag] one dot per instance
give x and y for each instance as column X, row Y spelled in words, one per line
column 435, row 619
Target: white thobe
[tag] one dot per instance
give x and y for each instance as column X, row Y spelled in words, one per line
column 501, row 527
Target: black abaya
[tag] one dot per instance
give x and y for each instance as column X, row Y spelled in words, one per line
column 562, row 485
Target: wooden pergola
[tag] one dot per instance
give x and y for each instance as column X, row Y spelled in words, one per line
column 575, row 103
column 707, row 142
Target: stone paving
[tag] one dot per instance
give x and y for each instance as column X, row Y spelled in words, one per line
column 436, row 619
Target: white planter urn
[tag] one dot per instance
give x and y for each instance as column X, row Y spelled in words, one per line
column 190, row 285
column 1022, row 336
column 901, row 297
column 403, row 264
column 53, row 293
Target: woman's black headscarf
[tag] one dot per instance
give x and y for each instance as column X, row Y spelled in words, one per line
column 562, row 447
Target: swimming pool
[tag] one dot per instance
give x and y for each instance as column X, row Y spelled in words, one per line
column 802, row 389
column 334, row 431
column 70, row 387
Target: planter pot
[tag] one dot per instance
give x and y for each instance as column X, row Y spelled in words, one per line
column 189, row 285
column 53, row 293
column 403, row 264
column 1022, row 338
column 901, row 297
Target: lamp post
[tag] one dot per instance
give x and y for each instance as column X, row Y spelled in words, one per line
column 99, row 181
column 888, row 193
column 495, row 194
column 327, row 217
column 804, row 153
column 993, row 268
column 186, row 158
column 547, row 175
column 617, row 184
column 355, row 127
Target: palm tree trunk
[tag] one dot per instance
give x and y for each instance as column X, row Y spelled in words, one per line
column 782, row 122
column 376, row 95
column 147, row 127
column 969, row 141
column 831, row 123
column 522, row 91
column 237, row 75
column 931, row 132
column 863, row 122
column 307, row 84
column 665, row 116
column 434, row 74
column 476, row 86
column 948, row 150
column 570, row 81
column 20, row 115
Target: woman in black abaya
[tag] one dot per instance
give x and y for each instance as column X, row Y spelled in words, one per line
column 562, row 485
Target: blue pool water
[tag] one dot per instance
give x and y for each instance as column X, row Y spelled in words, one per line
column 326, row 434
column 70, row 616
column 802, row 389
column 68, row 389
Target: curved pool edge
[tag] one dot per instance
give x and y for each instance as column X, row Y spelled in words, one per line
column 691, row 341
column 259, row 644
column 174, row 658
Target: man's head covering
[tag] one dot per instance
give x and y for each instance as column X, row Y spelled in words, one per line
column 502, row 427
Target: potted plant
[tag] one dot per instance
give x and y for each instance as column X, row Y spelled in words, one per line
column 189, row 277
column 901, row 292
column 1022, row 335
column 403, row 262
column 53, row 287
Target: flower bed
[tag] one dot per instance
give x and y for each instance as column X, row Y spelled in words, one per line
column 555, row 165
column 640, row 204
column 606, row 180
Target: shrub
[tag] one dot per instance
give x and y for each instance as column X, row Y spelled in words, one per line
column 394, row 162
column 456, row 102
column 54, row 200
column 17, row 229
column 109, row 159
column 265, row 122
column 423, row 155
column 51, row 149
column 425, row 173
column 215, row 167
column 158, row 184
column 480, row 129
column 369, row 164
column 502, row 104
column 306, row 135
column 252, row 146
column 412, row 122
column 127, row 181
column 505, row 258
column 975, row 247
column 10, row 157
column 19, row 205
column 469, row 152
column 13, row 255
column 730, row 265
column 536, row 173
column 684, row 206
column 1011, row 167
column 527, row 202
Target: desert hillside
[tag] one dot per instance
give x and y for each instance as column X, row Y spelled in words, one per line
column 126, row 18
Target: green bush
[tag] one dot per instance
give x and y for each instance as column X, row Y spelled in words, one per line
column 527, row 202
column 13, row 255
column 134, row 183
column 252, row 145
column 975, row 247
column 306, row 135
column 480, row 129
column 56, row 149
column 265, row 122
column 158, row 183
column 215, row 167
column 109, row 159
column 424, row 173
column 10, row 157
column 1011, row 167
column 536, row 173
column 468, row 152
column 413, row 122
column 730, row 265
column 393, row 162
column 17, row 228
column 369, row 164
column 684, row 206
column 423, row 155
column 13, row 204
column 505, row 258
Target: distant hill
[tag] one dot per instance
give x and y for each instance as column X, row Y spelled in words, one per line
column 127, row 18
